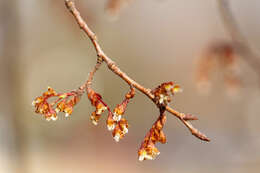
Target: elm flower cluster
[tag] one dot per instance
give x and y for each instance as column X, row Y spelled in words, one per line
column 115, row 122
column 64, row 103
column 148, row 151
column 162, row 93
column 120, row 130
column 162, row 98
column 97, row 102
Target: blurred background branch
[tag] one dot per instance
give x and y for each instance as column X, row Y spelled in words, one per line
column 241, row 44
column 15, row 141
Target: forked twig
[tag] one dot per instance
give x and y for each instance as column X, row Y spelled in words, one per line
column 102, row 57
column 242, row 45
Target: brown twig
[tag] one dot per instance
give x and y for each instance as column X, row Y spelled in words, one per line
column 242, row 45
column 114, row 68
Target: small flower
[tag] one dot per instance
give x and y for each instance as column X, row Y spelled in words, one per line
column 94, row 97
column 119, row 111
column 117, row 134
column 111, row 127
column 125, row 129
column 50, row 92
column 163, row 99
column 63, row 96
column 111, row 123
column 37, row 101
column 123, row 126
column 162, row 93
column 100, row 108
column 116, row 117
column 150, row 153
column 54, row 118
column 68, row 111
column 97, row 102
column 168, row 86
column 95, row 118
column 51, row 116
column 120, row 129
column 60, row 106
column 121, row 108
column 176, row 89
column 117, row 137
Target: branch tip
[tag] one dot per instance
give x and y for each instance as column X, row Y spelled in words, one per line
column 161, row 96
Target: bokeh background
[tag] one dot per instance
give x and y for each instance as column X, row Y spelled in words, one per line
column 153, row 41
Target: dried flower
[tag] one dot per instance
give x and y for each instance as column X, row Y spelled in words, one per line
column 111, row 123
column 162, row 93
column 64, row 103
column 97, row 102
column 115, row 121
column 148, row 151
column 120, row 130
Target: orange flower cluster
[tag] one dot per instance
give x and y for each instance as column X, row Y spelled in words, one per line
column 115, row 122
column 162, row 93
column 120, row 130
column 162, row 98
column 97, row 102
column 63, row 103
column 148, row 151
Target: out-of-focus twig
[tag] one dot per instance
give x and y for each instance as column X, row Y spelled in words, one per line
column 241, row 44
column 11, row 88
column 113, row 7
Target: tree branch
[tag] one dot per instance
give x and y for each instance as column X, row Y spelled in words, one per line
column 114, row 68
column 241, row 44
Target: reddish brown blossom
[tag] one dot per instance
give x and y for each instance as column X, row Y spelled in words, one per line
column 111, row 123
column 64, row 103
column 120, row 108
column 97, row 102
column 163, row 91
column 148, row 151
column 115, row 121
column 120, row 129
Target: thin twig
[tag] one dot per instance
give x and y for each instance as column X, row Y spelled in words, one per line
column 242, row 45
column 114, row 68
column 88, row 83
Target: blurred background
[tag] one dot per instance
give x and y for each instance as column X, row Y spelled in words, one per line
column 153, row 41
